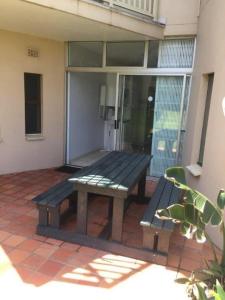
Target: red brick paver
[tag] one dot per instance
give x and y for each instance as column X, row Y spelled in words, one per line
column 29, row 261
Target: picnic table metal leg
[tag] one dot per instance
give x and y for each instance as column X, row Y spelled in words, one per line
column 117, row 219
column 82, row 213
column 141, row 186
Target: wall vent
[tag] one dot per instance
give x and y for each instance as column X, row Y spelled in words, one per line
column 32, row 52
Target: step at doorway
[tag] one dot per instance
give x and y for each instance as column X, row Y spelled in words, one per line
column 89, row 158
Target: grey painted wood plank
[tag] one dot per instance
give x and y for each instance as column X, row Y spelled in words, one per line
column 106, row 174
column 175, row 198
column 153, row 204
column 84, row 170
column 81, row 226
column 165, row 195
column 66, row 188
column 100, row 190
column 90, row 172
column 106, row 168
column 142, row 185
column 123, row 174
column 48, row 192
column 127, row 172
column 117, row 219
column 163, row 203
column 57, row 199
column 113, row 176
column 134, row 175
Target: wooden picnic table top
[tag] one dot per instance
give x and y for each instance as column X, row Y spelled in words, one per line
column 117, row 171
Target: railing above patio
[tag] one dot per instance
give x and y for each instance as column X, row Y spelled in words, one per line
column 145, row 7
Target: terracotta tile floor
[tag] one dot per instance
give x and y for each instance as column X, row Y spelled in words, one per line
column 35, row 266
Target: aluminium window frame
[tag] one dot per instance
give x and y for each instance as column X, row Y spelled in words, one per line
column 122, row 70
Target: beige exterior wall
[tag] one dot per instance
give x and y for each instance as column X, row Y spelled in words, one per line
column 17, row 153
column 181, row 16
column 95, row 21
column 210, row 57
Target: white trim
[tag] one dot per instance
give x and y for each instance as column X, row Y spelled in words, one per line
column 121, row 125
column 67, row 116
column 146, row 54
column 181, row 115
column 134, row 70
column 104, row 55
column 188, row 101
column 195, row 170
column 116, row 109
column 194, row 53
column 66, row 53
column 34, row 137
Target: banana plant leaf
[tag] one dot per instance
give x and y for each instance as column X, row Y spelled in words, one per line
column 201, row 292
column 209, row 212
column 197, row 214
column 193, row 216
column 220, row 290
column 220, row 293
column 221, row 199
column 177, row 173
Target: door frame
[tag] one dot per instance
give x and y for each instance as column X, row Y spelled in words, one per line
column 117, row 131
column 120, row 71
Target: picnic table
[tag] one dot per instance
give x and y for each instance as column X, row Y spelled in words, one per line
column 115, row 175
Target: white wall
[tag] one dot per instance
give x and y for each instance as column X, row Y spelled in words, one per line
column 16, row 152
column 86, row 128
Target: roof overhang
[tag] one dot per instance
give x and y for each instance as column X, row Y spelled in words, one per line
column 71, row 20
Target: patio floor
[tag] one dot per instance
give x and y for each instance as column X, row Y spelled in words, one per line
column 35, row 266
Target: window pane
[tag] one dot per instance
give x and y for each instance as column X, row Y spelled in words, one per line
column 176, row 53
column 153, row 53
column 206, row 117
column 125, row 54
column 85, row 54
column 32, row 86
column 171, row 53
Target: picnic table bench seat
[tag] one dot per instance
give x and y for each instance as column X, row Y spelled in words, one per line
column 156, row 232
column 48, row 203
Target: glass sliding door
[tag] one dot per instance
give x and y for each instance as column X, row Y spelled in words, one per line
column 151, row 118
column 171, row 99
column 135, row 113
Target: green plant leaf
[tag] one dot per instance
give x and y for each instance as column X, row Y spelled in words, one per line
column 207, row 212
column 220, row 290
column 190, row 214
column 177, row 173
column 199, row 200
column 216, row 268
column 182, row 280
column 216, row 219
column 221, row 199
column 175, row 212
column 200, row 236
column 216, row 296
column 201, row 292
column 210, row 273
column 202, row 275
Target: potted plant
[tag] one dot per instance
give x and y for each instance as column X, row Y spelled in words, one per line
column 193, row 214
